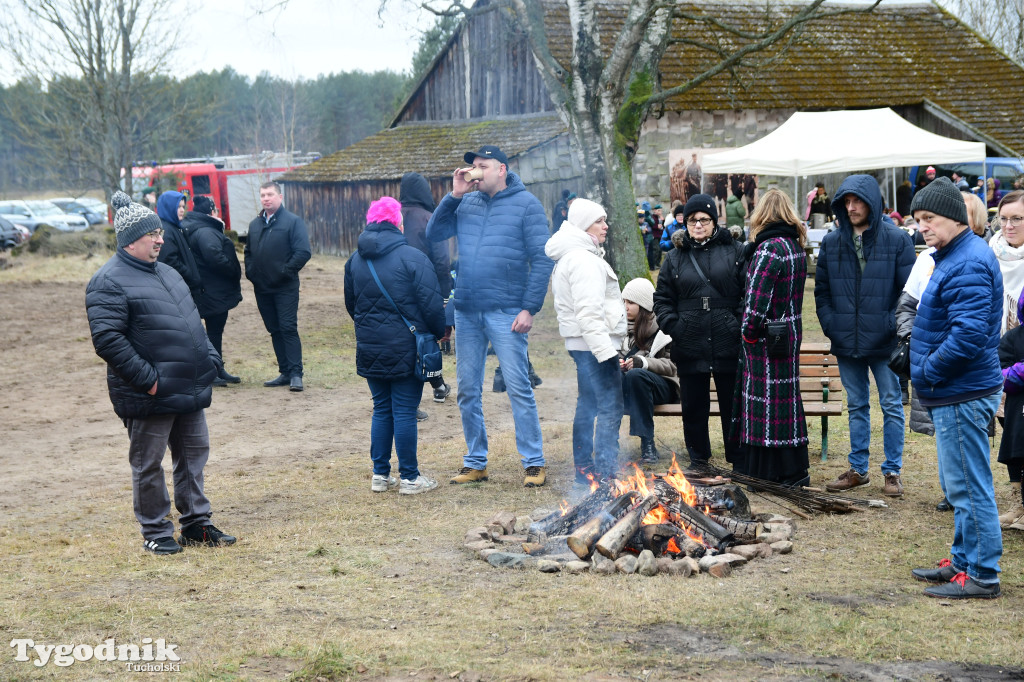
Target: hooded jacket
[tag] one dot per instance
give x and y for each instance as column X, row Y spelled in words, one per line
column 588, row 303
column 417, row 207
column 856, row 309
column 735, row 211
column 705, row 338
column 217, row 263
column 276, row 251
column 954, row 345
column 385, row 347
column 501, row 241
column 147, row 329
column 175, row 251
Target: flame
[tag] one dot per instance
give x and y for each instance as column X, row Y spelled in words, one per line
column 594, row 485
column 677, row 480
column 672, row 547
column 564, row 507
column 656, row 515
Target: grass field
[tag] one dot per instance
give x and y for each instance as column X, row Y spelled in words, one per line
column 329, row 581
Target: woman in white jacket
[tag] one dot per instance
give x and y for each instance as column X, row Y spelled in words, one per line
column 592, row 320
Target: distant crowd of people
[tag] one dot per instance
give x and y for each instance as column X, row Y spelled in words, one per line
column 727, row 307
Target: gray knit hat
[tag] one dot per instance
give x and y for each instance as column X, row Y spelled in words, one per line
column 941, row 197
column 132, row 220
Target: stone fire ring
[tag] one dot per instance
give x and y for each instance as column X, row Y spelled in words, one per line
column 500, row 542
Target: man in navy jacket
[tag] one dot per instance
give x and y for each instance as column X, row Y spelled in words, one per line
column 275, row 251
column 861, row 269
column 160, row 368
column 503, row 278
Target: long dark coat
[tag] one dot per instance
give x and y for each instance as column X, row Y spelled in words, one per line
column 768, row 410
column 704, row 338
column 1011, row 447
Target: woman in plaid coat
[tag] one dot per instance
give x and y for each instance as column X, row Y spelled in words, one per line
column 768, row 412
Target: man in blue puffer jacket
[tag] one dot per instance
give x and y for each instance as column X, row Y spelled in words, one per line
column 503, row 277
column 954, row 364
column 160, row 369
column 861, row 269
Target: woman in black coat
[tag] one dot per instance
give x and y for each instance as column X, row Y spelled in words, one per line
column 697, row 302
column 219, row 272
column 385, row 346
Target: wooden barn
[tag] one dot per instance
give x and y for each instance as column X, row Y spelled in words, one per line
column 484, row 89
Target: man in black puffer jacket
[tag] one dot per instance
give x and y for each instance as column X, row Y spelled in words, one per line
column 160, row 366
column 861, row 269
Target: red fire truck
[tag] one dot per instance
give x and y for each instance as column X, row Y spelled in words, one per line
column 233, row 182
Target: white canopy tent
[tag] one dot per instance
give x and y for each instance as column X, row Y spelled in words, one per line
column 842, row 141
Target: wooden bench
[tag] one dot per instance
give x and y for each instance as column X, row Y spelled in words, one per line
column 820, row 389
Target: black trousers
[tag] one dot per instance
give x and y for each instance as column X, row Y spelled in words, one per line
column 280, row 313
column 642, row 389
column 695, row 400
column 215, row 329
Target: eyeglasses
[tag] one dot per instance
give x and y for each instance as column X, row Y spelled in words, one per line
column 703, row 221
column 1015, row 221
column 155, row 234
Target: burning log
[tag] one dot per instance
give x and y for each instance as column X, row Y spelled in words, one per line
column 582, row 540
column 744, row 531
column 612, row 542
column 559, row 523
column 724, row 499
column 682, row 513
column 657, row 537
column 552, row 545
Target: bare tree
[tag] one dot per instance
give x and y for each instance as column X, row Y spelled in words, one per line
column 100, row 63
column 611, row 82
column 1001, row 21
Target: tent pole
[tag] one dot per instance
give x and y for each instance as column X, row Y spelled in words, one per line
column 796, row 194
column 894, row 188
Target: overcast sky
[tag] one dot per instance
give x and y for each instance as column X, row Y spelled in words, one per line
column 303, row 39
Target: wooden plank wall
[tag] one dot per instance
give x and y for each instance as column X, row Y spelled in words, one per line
column 475, row 79
column 335, row 213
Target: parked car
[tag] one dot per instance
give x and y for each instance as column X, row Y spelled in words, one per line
column 10, row 234
column 80, row 207
column 32, row 214
column 1002, row 168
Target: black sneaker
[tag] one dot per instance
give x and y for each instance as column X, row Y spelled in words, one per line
column 164, row 545
column 219, row 382
column 441, row 392
column 205, row 534
column 963, row 587
column 230, row 378
column 421, row 415
column 943, row 574
column 499, row 381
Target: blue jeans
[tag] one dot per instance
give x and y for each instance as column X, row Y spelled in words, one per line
column 854, row 374
column 394, row 421
column 961, row 441
column 473, row 330
column 600, row 399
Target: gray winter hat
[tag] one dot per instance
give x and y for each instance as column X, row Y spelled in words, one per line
column 132, row 220
column 941, row 197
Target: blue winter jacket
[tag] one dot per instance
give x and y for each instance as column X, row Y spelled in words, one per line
column 857, row 309
column 385, row 348
column 954, row 345
column 501, row 240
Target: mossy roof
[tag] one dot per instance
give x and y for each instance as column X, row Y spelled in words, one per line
column 433, row 149
column 899, row 54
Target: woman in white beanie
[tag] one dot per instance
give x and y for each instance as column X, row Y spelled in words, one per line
column 592, row 320
column 649, row 377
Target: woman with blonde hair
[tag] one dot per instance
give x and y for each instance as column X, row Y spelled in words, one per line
column 769, row 414
column 977, row 215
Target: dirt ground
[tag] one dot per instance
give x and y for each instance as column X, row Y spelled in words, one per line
column 63, row 472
